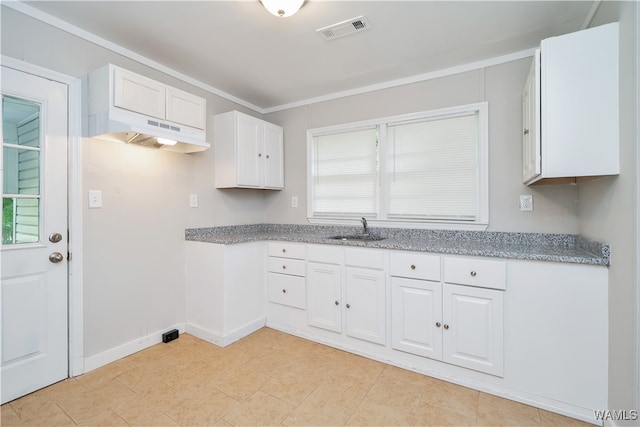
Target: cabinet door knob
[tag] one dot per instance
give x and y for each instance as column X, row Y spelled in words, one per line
column 284, row 267
column 413, row 267
column 446, row 326
column 267, row 156
column 473, row 274
column 284, row 291
column 526, row 131
column 337, row 303
column 348, row 305
column 438, row 324
column 284, row 250
column 259, row 154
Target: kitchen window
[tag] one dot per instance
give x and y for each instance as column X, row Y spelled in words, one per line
column 427, row 169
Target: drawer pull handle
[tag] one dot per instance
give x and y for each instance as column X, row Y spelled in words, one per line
column 473, row 274
column 284, row 267
column 413, row 267
column 337, row 303
column 284, row 250
column 446, row 326
column 284, row 291
column 348, row 305
column 438, row 324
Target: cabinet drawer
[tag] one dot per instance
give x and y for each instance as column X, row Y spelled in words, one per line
column 415, row 266
column 325, row 254
column 286, row 266
column 286, row 290
column 286, row 250
column 364, row 258
column 476, row 272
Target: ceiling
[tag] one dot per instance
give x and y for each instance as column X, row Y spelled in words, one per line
column 239, row 48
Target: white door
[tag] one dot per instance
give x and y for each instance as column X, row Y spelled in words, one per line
column 34, row 233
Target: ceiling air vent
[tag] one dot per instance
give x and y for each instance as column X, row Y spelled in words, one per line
column 344, row 28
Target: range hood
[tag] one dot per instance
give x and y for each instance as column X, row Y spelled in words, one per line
column 118, row 125
column 130, row 108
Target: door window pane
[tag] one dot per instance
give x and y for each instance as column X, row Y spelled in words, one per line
column 21, row 171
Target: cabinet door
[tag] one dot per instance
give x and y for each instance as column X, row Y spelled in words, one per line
column 416, row 317
column 324, row 302
column 365, row 304
column 139, row 94
column 531, row 156
column 249, row 140
column 185, row 108
column 274, row 157
column 473, row 328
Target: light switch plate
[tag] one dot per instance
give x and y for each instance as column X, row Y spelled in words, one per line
column 294, row 201
column 193, row 200
column 95, row 199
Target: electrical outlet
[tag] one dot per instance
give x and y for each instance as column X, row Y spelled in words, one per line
column 193, row 200
column 294, row 201
column 526, row 203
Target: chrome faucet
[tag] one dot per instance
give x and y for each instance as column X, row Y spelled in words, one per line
column 364, row 225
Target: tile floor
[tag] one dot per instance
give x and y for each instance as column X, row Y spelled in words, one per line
column 267, row 378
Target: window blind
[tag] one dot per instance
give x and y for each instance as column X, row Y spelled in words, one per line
column 432, row 169
column 345, row 173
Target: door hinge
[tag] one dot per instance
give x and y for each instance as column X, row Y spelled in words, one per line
column 68, row 256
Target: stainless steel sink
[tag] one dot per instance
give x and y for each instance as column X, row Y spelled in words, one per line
column 359, row 237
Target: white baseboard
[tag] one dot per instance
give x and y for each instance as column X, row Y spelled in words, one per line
column 229, row 338
column 124, row 350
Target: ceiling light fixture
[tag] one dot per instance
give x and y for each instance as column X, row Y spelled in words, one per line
column 282, row 8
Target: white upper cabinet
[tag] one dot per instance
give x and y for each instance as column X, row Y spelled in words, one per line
column 185, row 108
column 143, row 95
column 570, row 108
column 139, row 94
column 249, row 152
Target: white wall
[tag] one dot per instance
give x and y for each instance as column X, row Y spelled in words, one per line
column 609, row 212
column 555, row 207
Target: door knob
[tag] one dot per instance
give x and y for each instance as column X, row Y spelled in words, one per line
column 55, row 237
column 56, row 257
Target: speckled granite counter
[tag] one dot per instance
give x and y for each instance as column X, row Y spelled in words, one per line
column 530, row 246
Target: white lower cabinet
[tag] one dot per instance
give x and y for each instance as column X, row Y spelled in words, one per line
column 224, row 300
column 324, row 296
column 365, row 299
column 462, row 325
column 286, row 274
column 472, row 323
column 416, row 317
column 450, row 317
column 347, row 286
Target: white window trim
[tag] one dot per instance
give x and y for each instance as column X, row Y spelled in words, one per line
column 480, row 224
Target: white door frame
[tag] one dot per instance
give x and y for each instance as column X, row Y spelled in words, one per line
column 75, row 303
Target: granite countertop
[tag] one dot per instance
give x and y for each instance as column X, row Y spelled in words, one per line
column 568, row 248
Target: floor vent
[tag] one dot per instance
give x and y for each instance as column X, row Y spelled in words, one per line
column 344, row 28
